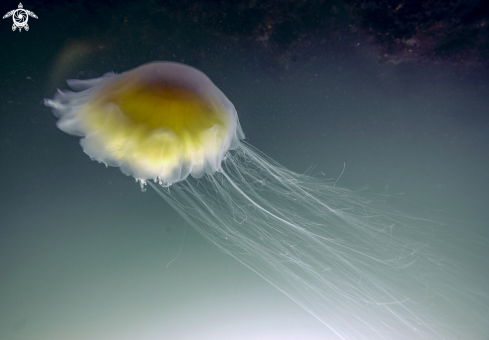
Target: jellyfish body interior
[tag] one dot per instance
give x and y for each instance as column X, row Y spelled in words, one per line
column 363, row 269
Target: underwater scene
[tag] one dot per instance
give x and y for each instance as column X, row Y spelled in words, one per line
column 244, row 170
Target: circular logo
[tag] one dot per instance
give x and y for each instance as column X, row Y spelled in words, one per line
column 20, row 17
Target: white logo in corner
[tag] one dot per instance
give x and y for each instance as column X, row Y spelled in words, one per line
column 20, row 17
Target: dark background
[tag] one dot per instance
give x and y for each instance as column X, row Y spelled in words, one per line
column 395, row 91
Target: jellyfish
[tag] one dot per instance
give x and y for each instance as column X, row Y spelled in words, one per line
column 362, row 268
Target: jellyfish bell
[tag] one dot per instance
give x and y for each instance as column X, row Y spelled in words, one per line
column 362, row 268
column 162, row 120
